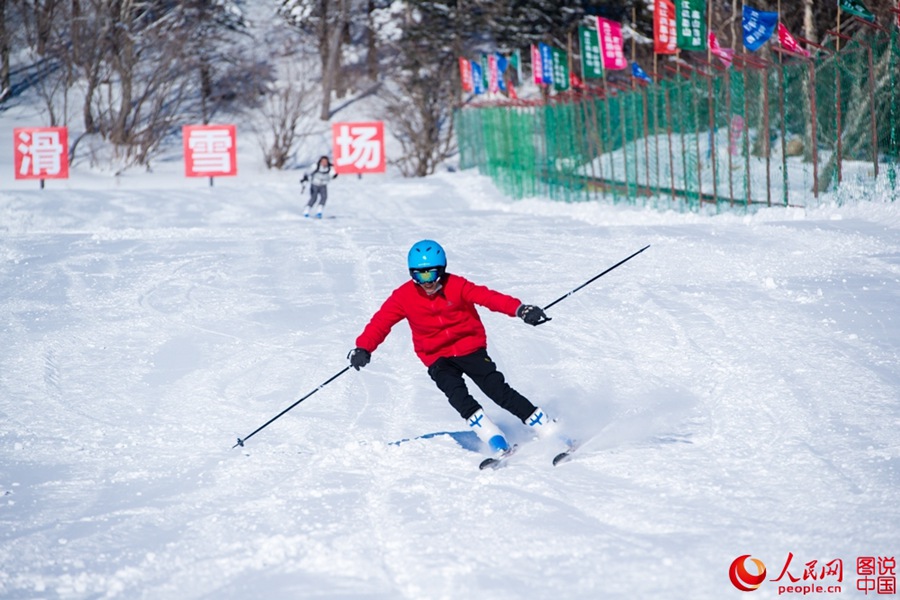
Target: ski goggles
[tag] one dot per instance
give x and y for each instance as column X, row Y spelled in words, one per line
column 421, row 276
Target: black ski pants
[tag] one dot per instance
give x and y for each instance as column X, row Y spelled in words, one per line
column 447, row 373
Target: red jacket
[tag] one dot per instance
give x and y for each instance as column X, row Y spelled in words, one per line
column 443, row 324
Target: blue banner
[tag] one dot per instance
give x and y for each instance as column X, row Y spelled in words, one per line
column 758, row 27
column 638, row 73
column 546, row 63
column 502, row 64
column 477, row 78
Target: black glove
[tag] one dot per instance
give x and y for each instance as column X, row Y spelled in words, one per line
column 305, row 179
column 359, row 357
column 334, row 176
column 533, row 315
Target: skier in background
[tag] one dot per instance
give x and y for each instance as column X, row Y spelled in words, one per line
column 448, row 336
column 318, row 186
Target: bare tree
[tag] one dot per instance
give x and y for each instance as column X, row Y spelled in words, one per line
column 284, row 118
column 420, row 116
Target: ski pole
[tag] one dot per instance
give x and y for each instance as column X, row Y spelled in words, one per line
column 594, row 278
column 240, row 441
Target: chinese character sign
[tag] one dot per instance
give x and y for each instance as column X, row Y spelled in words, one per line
column 465, row 75
column 537, row 67
column 358, row 147
column 590, row 52
column 665, row 34
column 41, row 152
column 493, row 74
column 690, row 24
column 758, row 27
column 611, row 44
column 546, row 63
column 560, row 69
column 857, row 9
column 210, row 150
column 502, row 65
column 726, row 55
column 477, row 78
column 788, row 42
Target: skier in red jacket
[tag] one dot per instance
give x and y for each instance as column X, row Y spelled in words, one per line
column 449, row 338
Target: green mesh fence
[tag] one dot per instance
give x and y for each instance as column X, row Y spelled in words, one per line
column 764, row 133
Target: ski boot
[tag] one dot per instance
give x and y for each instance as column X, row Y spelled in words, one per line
column 489, row 433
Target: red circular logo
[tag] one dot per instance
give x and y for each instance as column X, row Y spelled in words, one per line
column 741, row 578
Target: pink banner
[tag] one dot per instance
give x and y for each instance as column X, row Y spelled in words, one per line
column 726, row 55
column 537, row 68
column 788, row 42
column 493, row 75
column 611, row 44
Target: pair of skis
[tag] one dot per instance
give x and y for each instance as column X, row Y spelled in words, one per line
column 495, row 462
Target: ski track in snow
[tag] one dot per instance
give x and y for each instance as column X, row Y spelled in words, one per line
column 736, row 385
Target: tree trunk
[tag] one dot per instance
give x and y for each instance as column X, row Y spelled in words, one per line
column 809, row 23
column 371, row 44
column 5, row 84
column 330, row 74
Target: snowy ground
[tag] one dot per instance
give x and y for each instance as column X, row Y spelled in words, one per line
column 740, row 380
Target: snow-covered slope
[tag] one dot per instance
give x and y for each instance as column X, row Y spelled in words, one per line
column 739, row 378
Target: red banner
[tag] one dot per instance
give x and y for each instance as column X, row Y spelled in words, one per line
column 41, row 152
column 358, row 147
column 209, row 150
column 612, row 44
column 465, row 74
column 665, row 36
column 788, row 42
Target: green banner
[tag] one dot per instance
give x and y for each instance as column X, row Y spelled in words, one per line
column 856, row 8
column 560, row 69
column 591, row 61
column 690, row 24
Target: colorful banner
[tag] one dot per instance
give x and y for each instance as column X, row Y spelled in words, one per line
column 857, row 9
column 611, row 44
column 502, row 65
column 758, row 27
column 665, row 34
column 726, row 55
column 590, row 53
column 560, row 70
column 41, row 152
column 690, row 24
column 465, row 74
column 788, row 42
column 209, row 150
column 477, row 78
column 537, row 68
column 493, row 75
column 638, row 73
column 516, row 62
column 358, row 147
column 546, row 63
column 575, row 81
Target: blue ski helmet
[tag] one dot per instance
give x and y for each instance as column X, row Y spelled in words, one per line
column 426, row 254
